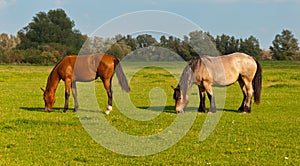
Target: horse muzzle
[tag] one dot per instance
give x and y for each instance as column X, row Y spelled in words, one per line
column 48, row 109
column 180, row 111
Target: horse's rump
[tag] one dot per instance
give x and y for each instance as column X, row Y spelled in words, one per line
column 86, row 67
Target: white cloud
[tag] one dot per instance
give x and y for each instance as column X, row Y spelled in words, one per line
column 6, row 3
column 3, row 4
column 58, row 3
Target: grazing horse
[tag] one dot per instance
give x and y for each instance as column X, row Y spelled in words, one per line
column 83, row 69
column 220, row 71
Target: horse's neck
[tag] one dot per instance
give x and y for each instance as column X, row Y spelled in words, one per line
column 186, row 79
column 53, row 81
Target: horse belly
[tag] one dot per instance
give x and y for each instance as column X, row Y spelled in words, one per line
column 225, row 78
column 84, row 76
column 84, row 70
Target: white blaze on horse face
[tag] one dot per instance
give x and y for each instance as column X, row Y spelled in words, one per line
column 181, row 103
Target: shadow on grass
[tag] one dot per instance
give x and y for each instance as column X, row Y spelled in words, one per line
column 171, row 109
column 58, row 109
column 166, row 109
column 42, row 109
column 230, row 110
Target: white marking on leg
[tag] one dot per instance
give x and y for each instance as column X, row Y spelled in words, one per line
column 108, row 109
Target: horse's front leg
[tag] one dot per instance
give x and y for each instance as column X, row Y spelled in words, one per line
column 212, row 108
column 202, row 107
column 74, row 93
column 67, row 93
column 208, row 88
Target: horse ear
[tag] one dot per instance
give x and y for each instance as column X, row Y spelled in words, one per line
column 43, row 90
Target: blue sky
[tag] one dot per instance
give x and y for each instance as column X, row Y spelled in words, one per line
column 240, row 18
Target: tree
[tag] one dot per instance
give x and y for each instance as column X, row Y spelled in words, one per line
column 145, row 40
column 8, row 42
column 202, row 43
column 119, row 49
column 182, row 48
column 226, row 44
column 163, row 41
column 52, row 27
column 285, row 46
column 130, row 42
column 251, row 47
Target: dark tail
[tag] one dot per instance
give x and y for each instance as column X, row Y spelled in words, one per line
column 121, row 76
column 257, row 83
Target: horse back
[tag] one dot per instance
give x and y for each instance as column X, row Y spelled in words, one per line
column 243, row 64
column 86, row 68
column 224, row 70
column 238, row 65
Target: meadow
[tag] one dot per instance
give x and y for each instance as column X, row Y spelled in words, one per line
column 267, row 136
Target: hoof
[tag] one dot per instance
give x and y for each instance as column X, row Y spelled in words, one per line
column 240, row 111
column 202, row 110
column 243, row 112
column 108, row 109
column 212, row 111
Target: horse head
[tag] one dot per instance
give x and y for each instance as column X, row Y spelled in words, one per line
column 49, row 99
column 180, row 100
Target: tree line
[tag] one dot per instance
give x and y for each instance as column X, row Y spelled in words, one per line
column 51, row 36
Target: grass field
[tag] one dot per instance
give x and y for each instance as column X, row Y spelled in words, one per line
column 267, row 136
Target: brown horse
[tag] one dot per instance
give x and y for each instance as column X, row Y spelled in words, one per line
column 83, row 69
column 220, row 71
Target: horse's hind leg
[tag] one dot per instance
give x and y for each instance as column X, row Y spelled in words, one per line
column 107, row 86
column 74, row 93
column 202, row 99
column 242, row 85
column 249, row 97
column 248, row 93
column 67, row 93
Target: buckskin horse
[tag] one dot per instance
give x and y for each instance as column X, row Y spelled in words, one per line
column 83, row 69
column 207, row 72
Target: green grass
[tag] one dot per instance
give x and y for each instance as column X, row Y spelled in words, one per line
column 267, row 136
